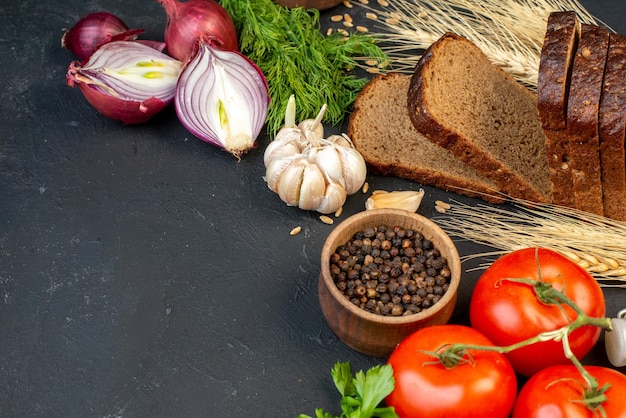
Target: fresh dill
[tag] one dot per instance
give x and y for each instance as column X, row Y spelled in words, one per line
column 298, row 59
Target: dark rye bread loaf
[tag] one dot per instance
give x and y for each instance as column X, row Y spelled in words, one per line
column 555, row 64
column 583, row 116
column 482, row 115
column 382, row 132
column 613, row 129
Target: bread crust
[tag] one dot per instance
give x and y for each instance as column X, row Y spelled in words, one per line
column 612, row 130
column 555, row 66
column 583, row 116
column 438, row 131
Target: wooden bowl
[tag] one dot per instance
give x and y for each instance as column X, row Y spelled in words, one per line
column 367, row 332
column 309, row 4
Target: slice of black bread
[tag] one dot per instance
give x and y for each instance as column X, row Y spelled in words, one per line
column 583, row 117
column 613, row 129
column 482, row 115
column 555, row 65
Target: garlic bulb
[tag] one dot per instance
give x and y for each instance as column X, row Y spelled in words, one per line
column 309, row 171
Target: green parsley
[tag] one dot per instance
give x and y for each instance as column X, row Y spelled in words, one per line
column 298, row 59
column 361, row 394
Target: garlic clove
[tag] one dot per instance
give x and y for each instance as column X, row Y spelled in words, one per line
column 340, row 140
column 329, row 161
column 301, row 184
column 284, row 146
column 312, row 133
column 334, row 198
column 275, row 170
column 313, row 128
column 288, row 182
column 615, row 342
column 291, row 134
column 354, row 169
column 312, row 187
column 407, row 200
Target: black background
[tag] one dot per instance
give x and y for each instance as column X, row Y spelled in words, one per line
column 143, row 272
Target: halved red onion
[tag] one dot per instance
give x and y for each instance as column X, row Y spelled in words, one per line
column 126, row 80
column 222, row 98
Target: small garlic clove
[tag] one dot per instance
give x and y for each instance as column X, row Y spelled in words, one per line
column 275, row 169
column 290, row 134
column 313, row 128
column 354, row 169
column 329, row 161
column 312, row 187
column 334, row 198
column 615, row 342
column 289, row 181
column 312, row 134
column 284, row 146
column 407, row 200
column 301, row 184
column 340, row 140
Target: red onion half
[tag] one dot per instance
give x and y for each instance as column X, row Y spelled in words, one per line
column 191, row 20
column 126, row 80
column 222, row 98
column 93, row 30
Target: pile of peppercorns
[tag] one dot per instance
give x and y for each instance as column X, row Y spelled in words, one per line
column 390, row 271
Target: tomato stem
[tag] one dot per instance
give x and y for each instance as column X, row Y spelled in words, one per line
column 453, row 354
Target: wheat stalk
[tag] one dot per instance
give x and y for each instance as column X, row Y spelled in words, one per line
column 509, row 32
column 595, row 243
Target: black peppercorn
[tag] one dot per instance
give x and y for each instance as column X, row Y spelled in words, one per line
column 390, row 271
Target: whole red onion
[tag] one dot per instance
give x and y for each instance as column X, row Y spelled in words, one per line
column 92, row 30
column 191, row 20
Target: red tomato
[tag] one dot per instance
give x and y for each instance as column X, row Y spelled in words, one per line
column 485, row 386
column 507, row 312
column 556, row 392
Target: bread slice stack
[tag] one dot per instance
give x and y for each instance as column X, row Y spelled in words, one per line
column 587, row 65
column 473, row 126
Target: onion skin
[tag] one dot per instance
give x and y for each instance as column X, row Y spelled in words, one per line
column 222, row 98
column 158, row 45
column 191, row 20
column 93, row 30
column 126, row 80
column 127, row 111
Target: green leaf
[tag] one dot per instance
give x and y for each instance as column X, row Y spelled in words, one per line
column 342, row 376
column 362, row 393
column 386, row 412
column 374, row 386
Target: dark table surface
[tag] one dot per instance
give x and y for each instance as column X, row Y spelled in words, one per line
column 144, row 272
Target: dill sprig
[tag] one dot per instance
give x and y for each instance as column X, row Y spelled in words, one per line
column 298, row 59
